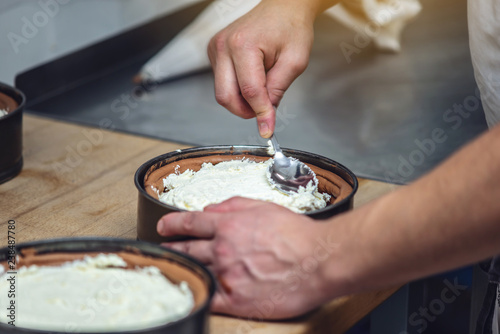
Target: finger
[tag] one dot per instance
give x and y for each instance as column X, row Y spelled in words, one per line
column 199, row 249
column 233, row 204
column 227, row 91
column 251, row 76
column 196, row 224
column 279, row 78
column 221, row 303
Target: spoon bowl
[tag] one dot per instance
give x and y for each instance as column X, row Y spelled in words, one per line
column 288, row 174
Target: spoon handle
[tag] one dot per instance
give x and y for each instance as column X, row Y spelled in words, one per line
column 276, row 146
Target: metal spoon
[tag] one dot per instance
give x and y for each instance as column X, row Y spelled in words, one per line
column 288, row 174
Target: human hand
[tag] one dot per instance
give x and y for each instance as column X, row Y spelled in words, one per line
column 263, row 255
column 256, row 58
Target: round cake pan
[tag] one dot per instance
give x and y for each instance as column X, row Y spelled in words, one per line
column 333, row 178
column 11, row 132
column 174, row 265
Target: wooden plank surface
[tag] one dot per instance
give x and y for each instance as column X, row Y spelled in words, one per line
column 78, row 181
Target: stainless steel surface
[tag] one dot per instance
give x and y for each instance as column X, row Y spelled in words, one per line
column 391, row 117
column 288, row 174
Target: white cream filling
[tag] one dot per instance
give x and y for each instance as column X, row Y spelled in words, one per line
column 216, row 183
column 3, row 112
column 270, row 148
column 94, row 295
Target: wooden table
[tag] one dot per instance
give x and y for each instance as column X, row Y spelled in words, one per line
column 78, row 181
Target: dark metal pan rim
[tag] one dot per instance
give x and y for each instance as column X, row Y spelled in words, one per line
column 255, row 149
column 6, row 89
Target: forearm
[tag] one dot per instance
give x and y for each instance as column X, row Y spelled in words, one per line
column 449, row 218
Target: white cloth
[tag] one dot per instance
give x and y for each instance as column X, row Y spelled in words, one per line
column 484, row 34
column 496, row 318
column 380, row 20
column 497, row 311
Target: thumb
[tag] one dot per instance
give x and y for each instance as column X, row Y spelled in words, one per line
column 266, row 121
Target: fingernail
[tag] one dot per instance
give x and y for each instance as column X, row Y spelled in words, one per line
column 264, row 130
column 160, row 226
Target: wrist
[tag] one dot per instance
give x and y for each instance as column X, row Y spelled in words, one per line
column 308, row 10
column 338, row 263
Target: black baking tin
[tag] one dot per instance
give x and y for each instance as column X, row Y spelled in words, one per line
column 11, row 136
column 150, row 210
column 196, row 322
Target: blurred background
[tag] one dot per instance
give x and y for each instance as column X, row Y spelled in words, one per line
column 71, row 25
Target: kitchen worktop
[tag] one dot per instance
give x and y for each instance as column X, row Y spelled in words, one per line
column 78, row 181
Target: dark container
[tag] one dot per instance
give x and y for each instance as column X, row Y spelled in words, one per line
column 11, row 135
column 196, row 322
column 150, row 210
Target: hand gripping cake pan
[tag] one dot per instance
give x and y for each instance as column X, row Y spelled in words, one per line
column 333, row 178
column 54, row 279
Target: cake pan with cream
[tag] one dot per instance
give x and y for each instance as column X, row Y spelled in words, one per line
column 174, row 266
column 334, row 179
column 12, row 103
